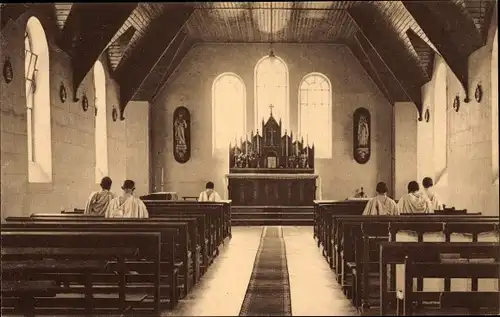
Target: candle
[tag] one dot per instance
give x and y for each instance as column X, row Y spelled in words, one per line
column 258, row 147
column 246, row 144
column 286, row 145
column 161, row 179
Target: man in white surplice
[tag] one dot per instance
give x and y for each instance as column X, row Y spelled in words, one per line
column 414, row 202
column 127, row 206
column 436, row 203
column 380, row 204
column 209, row 194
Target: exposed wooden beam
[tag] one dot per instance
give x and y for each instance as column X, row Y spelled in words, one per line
column 133, row 71
column 452, row 31
column 185, row 46
column 88, row 31
column 424, row 51
column 367, row 64
column 392, row 52
column 11, row 11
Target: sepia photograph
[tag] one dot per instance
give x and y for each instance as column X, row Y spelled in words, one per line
column 301, row 158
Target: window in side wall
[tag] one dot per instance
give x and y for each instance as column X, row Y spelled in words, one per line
column 228, row 112
column 37, row 86
column 101, row 133
column 315, row 113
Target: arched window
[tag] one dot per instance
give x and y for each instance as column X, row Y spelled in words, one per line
column 440, row 121
column 228, row 111
column 271, row 87
column 315, row 113
column 101, row 133
column 494, row 106
column 38, row 103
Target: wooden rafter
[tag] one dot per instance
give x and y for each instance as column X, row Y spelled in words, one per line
column 453, row 33
column 133, row 71
column 394, row 54
column 425, row 53
column 87, row 32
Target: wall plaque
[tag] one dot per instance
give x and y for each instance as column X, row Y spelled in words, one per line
column 361, row 135
column 182, row 134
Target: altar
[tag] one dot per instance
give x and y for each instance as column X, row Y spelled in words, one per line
column 274, row 169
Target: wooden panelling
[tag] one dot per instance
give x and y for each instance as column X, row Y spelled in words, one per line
column 481, row 12
column 62, row 12
column 425, row 53
column 118, row 47
column 284, row 22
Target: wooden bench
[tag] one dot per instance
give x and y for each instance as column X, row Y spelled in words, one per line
column 83, row 255
column 211, row 212
column 359, row 244
column 185, row 256
column 196, row 225
column 426, row 260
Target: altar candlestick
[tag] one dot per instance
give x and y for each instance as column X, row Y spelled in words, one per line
column 246, row 144
column 258, row 147
column 161, row 184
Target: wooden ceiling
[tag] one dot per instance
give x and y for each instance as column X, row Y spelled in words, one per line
column 391, row 39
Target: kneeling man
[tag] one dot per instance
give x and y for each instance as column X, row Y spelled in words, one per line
column 381, row 204
column 209, row 194
column 414, row 202
column 127, row 206
column 99, row 201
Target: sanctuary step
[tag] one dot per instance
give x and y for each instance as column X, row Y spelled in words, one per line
column 271, row 215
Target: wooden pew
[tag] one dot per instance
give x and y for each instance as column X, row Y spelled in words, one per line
column 219, row 212
column 364, row 229
column 213, row 213
column 424, row 259
column 202, row 261
column 47, row 255
column 187, row 255
column 338, row 235
column 324, row 212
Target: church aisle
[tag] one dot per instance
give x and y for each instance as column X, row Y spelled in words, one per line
column 222, row 290
column 314, row 290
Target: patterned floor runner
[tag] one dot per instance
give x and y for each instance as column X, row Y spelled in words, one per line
column 268, row 292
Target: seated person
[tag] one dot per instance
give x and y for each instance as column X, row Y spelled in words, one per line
column 414, row 201
column 381, row 204
column 430, row 194
column 98, row 202
column 209, row 194
column 126, row 205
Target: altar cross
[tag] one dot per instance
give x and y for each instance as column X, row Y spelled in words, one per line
column 271, row 108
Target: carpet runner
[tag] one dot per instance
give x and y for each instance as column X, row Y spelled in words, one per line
column 268, row 292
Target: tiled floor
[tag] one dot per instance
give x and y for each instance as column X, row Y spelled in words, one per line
column 314, row 291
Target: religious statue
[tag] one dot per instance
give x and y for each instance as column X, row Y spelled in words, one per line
column 180, row 126
column 363, row 132
column 182, row 136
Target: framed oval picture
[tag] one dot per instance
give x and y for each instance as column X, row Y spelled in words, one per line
column 361, row 135
column 182, row 134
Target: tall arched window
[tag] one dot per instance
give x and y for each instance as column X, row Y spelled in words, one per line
column 440, row 121
column 494, row 106
column 38, row 103
column 271, row 87
column 315, row 113
column 101, row 133
column 228, row 111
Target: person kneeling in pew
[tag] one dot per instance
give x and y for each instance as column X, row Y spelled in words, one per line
column 99, row 201
column 209, row 194
column 127, row 206
column 381, row 204
column 433, row 197
column 414, row 202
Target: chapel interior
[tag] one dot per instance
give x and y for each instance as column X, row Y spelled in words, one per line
column 294, row 111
